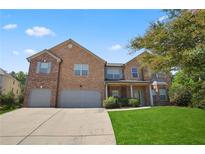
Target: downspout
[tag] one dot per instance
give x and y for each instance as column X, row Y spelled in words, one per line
column 57, row 85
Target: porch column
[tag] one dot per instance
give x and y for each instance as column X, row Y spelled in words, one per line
column 106, row 91
column 150, row 94
column 131, row 91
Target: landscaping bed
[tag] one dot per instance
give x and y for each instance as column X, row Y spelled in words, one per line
column 159, row 125
column 112, row 102
column 4, row 109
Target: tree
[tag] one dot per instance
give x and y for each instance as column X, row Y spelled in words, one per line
column 177, row 44
column 170, row 42
column 21, row 77
column 181, row 88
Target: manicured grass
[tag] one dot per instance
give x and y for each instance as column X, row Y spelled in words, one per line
column 159, row 125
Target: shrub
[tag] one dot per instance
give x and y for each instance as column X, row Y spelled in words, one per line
column 134, row 102
column 198, row 99
column 19, row 101
column 180, row 95
column 110, row 102
column 199, row 104
column 123, row 102
column 7, row 99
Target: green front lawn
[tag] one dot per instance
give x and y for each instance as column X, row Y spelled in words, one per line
column 159, row 125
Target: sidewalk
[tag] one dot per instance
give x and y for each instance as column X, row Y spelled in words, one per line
column 129, row 108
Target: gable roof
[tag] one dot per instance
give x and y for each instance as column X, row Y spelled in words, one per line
column 144, row 52
column 48, row 51
column 42, row 52
column 80, row 46
column 61, row 44
column 4, row 73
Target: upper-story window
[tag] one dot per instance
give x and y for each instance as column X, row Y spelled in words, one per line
column 44, row 67
column 81, row 69
column 134, row 72
column 159, row 75
column 114, row 73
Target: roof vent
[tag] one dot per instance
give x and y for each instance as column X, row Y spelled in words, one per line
column 70, row 46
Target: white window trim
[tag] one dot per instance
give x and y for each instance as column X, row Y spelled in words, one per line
column 137, row 73
column 81, row 69
column 39, row 64
column 114, row 72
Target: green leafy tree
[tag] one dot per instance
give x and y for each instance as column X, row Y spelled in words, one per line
column 177, row 44
column 180, row 91
column 170, row 42
column 21, row 76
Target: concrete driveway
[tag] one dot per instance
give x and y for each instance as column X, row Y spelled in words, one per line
column 56, row 126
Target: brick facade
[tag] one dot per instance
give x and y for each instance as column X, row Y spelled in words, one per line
column 78, row 55
column 37, row 80
column 143, row 72
column 62, row 75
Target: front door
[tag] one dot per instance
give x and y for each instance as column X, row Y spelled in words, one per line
column 138, row 93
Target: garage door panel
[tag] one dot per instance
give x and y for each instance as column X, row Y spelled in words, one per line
column 40, row 98
column 79, row 99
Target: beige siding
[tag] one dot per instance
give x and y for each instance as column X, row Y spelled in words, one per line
column 10, row 84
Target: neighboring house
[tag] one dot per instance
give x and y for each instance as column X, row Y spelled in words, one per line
column 69, row 75
column 8, row 83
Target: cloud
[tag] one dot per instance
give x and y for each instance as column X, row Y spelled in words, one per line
column 39, row 31
column 163, row 18
column 116, row 47
column 15, row 52
column 30, row 52
column 10, row 26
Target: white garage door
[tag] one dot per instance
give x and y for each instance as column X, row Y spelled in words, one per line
column 40, row 98
column 79, row 99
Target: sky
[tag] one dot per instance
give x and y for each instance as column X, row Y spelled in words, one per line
column 104, row 32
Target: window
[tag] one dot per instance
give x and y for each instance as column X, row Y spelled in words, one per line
column 163, row 94
column 134, row 72
column 159, row 75
column 81, row 69
column 115, row 93
column 13, row 82
column 43, row 67
column 114, row 74
column 1, row 80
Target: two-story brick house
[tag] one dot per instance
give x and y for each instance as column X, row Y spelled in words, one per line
column 69, row 75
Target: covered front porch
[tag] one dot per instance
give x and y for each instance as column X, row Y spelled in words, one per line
column 130, row 89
